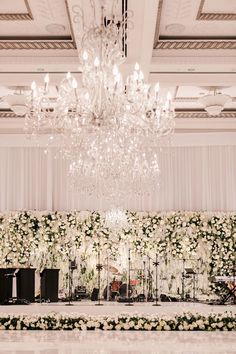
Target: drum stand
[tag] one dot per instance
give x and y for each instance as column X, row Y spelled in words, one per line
column 99, row 269
column 156, row 263
column 128, row 282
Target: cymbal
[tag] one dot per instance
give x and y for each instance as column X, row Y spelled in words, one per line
column 111, row 269
column 135, row 269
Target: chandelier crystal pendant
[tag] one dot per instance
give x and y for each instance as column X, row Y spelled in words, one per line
column 109, row 128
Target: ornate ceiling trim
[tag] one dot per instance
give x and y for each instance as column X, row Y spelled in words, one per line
column 203, row 16
column 7, row 113
column 193, row 99
column 195, row 44
column 203, row 114
column 158, row 23
column 18, row 17
column 40, row 44
column 37, row 44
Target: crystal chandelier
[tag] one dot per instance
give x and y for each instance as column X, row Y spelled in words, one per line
column 109, row 128
column 116, row 219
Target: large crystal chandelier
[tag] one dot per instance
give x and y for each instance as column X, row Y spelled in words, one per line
column 109, row 128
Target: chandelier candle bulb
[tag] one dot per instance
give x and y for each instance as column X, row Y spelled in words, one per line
column 157, row 89
column 33, row 88
column 46, row 79
column 115, row 70
column 169, row 97
column 46, row 82
column 74, row 83
column 85, row 55
column 68, row 76
column 136, row 76
column 96, row 62
column 141, row 76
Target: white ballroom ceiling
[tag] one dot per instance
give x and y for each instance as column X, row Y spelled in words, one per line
column 186, row 45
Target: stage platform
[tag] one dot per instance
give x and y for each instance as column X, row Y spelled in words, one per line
column 114, row 308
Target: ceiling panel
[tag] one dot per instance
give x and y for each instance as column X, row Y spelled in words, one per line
column 179, row 19
column 50, row 19
column 13, row 6
column 213, row 6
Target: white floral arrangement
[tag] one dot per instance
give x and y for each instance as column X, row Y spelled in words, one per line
column 47, row 239
column 183, row 322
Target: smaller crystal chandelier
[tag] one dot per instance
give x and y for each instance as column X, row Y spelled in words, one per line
column 116, row 219
column 214, row 102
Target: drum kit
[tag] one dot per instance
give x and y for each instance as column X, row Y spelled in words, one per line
column 127, row 291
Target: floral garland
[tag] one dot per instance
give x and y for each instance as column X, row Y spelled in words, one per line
column 47, row 239
column 184, row 322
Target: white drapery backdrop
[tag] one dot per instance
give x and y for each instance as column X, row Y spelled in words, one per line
column 192, row 178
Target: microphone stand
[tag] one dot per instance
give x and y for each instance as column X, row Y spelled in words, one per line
column 149, row 289
column 156, row 263
column 183, row 282
column 128, row 282
column 99, row 268
column 144, row 272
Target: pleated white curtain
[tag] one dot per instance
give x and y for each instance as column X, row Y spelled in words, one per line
column 192, row 178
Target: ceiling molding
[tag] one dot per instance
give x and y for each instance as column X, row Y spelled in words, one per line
column 193, row 99
column 36, row 44
column 42, row 43
column 28, row 16
column 203, row 114
column 195, row 44
column 7, row 113
column 203, row 16
column 158, row 23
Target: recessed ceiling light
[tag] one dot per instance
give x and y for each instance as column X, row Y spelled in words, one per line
column 175, row 28
column 55, row 28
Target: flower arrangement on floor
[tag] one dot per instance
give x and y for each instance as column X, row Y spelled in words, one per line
column 184, row 322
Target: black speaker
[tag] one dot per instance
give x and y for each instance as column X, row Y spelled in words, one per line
column 94, row 296
column 6, row 276
column 49, row 284
column 25, row 284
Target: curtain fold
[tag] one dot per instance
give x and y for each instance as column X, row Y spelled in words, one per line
column 192, row 178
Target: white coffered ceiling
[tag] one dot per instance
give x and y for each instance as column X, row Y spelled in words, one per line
column 186, row 45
